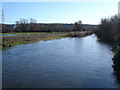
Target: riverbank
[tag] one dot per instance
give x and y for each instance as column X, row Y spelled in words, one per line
column 21, row 33
column 116, row 63
column 79, row 34
column 9, row 41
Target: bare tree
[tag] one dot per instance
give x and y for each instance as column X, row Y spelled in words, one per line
column 22, row 25
column 33, row 20
column 32, row 25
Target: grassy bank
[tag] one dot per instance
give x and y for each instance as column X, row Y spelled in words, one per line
column 20, row 33
column 9, row 41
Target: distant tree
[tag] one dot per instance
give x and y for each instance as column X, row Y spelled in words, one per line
column 32, row 25
column 17, row 28
column 57, row 27
column 33, row 20
column 4, row 28
column 22, row 25
column 78, row 26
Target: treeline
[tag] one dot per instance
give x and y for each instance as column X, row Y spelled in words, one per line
column 25, row 25
column 109, row 31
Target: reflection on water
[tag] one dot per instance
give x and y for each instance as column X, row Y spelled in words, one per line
column 63, row 63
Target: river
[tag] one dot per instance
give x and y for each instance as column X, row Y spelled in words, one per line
column 62, row 63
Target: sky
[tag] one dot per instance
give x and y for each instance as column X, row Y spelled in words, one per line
column 59, row 12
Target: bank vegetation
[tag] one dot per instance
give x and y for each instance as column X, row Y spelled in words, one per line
column 109, row 31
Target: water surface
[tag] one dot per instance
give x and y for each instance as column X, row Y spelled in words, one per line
column 64, row 63
column 13, row 34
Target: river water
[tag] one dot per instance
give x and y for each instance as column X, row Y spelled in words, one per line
column 62, row 63
column 14, row 34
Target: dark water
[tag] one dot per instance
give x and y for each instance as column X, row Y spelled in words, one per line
column 63, row 63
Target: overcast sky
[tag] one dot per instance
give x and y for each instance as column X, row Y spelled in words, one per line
column 59, row 12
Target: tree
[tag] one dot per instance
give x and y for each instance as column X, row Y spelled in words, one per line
column 7, row 28
column 22, row 25
column 78, row 26
column 32, row 25
column 109, row 29
column 57, row 27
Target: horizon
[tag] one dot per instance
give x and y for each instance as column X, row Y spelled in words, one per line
column 59, row 12
column 52, row 23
